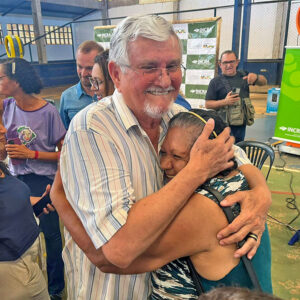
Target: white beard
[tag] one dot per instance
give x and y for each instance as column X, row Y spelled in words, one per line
column 155, row 112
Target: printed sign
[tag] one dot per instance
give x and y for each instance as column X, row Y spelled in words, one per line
column 288, row 121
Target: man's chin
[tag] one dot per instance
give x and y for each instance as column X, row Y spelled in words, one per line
column 85, row 83
column 157, row 111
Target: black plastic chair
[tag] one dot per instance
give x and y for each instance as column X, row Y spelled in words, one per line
column 257, row 153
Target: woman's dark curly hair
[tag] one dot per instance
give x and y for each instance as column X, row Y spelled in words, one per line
column 188, row 120
column 22, row 71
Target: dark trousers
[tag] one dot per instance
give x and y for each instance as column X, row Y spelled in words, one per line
column 238, row 132
column 49, row 225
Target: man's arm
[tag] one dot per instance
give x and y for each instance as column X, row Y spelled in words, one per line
column 230, row 99
column 212, row 99
column 192, row 231
column 254, row 208
column 151, row 215
column 255, row 79
column 73, row 223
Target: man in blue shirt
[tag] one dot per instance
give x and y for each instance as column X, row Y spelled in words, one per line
column 80, row 95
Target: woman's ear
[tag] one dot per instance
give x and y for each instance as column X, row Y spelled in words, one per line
column 115, row 74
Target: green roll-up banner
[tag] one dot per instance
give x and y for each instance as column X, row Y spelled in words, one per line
column 288, row 117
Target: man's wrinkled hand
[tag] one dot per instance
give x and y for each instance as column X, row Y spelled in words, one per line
column 214, row 154
column 252, row 218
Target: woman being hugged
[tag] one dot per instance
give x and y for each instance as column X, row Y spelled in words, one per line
column 34, row 130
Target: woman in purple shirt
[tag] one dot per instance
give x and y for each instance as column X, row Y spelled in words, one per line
column 34, row 132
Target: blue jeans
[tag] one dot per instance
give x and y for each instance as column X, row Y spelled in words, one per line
column 238, row 132
column 49, row 225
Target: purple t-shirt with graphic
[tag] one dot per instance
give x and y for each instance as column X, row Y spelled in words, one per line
column 39, row 130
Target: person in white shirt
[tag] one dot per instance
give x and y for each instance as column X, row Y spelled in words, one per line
column 111, row 174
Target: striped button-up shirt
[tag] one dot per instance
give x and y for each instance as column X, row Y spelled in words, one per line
column 107, row 164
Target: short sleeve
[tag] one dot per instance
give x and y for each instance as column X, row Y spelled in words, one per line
column 240, row 156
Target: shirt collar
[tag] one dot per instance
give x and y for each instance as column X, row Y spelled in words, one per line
column 80, row 91
column 128, row 119
column 125, row 115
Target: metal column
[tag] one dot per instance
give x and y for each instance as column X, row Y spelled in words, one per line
column 39, row 31
column 245, row 33
column 237, row 17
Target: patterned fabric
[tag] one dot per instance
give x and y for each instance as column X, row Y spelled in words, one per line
column 173, row 280
column 107, row 164
column 73, row 100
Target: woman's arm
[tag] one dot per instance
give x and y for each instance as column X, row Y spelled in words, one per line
column 22, row 152
column 192, row 231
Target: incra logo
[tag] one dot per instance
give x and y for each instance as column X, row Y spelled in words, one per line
column 290, row 129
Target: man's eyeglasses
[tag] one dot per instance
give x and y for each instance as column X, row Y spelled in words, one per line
column 230, row 62
column 95, row 82
column 152, row 73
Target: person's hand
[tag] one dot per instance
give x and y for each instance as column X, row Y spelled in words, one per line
column 251, row 78
column 34, row 200
column 231, row 98
column 19, row 151
column 48, row 209
column 254, row 207
column 214, row 154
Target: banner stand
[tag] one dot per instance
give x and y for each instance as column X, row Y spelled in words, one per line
column 287, row 127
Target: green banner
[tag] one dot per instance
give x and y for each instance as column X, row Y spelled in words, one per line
column 201, row 62
column 288, row 117
column 103, row 35
column 202, row 30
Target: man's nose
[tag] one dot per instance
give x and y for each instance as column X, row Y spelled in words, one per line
column 85, row 73
column 164, row 78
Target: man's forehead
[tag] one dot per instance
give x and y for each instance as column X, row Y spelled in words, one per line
column 170, row 45
column 228, row 56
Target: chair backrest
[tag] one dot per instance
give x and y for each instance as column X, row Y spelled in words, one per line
column 257, row 153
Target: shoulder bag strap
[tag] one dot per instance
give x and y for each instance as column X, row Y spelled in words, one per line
column 248, row 264
column 226, row 83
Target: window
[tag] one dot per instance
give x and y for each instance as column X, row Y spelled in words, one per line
column 1, row 35
column 24, row 31
column 55, row 36
column 58, row 36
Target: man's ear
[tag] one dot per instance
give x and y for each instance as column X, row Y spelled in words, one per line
column 115, row 74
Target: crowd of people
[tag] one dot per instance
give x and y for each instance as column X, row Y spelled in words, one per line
column 131, row 163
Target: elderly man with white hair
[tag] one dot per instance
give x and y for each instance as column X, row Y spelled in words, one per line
column 110, row 167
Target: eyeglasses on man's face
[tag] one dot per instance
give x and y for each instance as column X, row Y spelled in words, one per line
column 152, row 73
column 230, row 62
column 95, row 82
